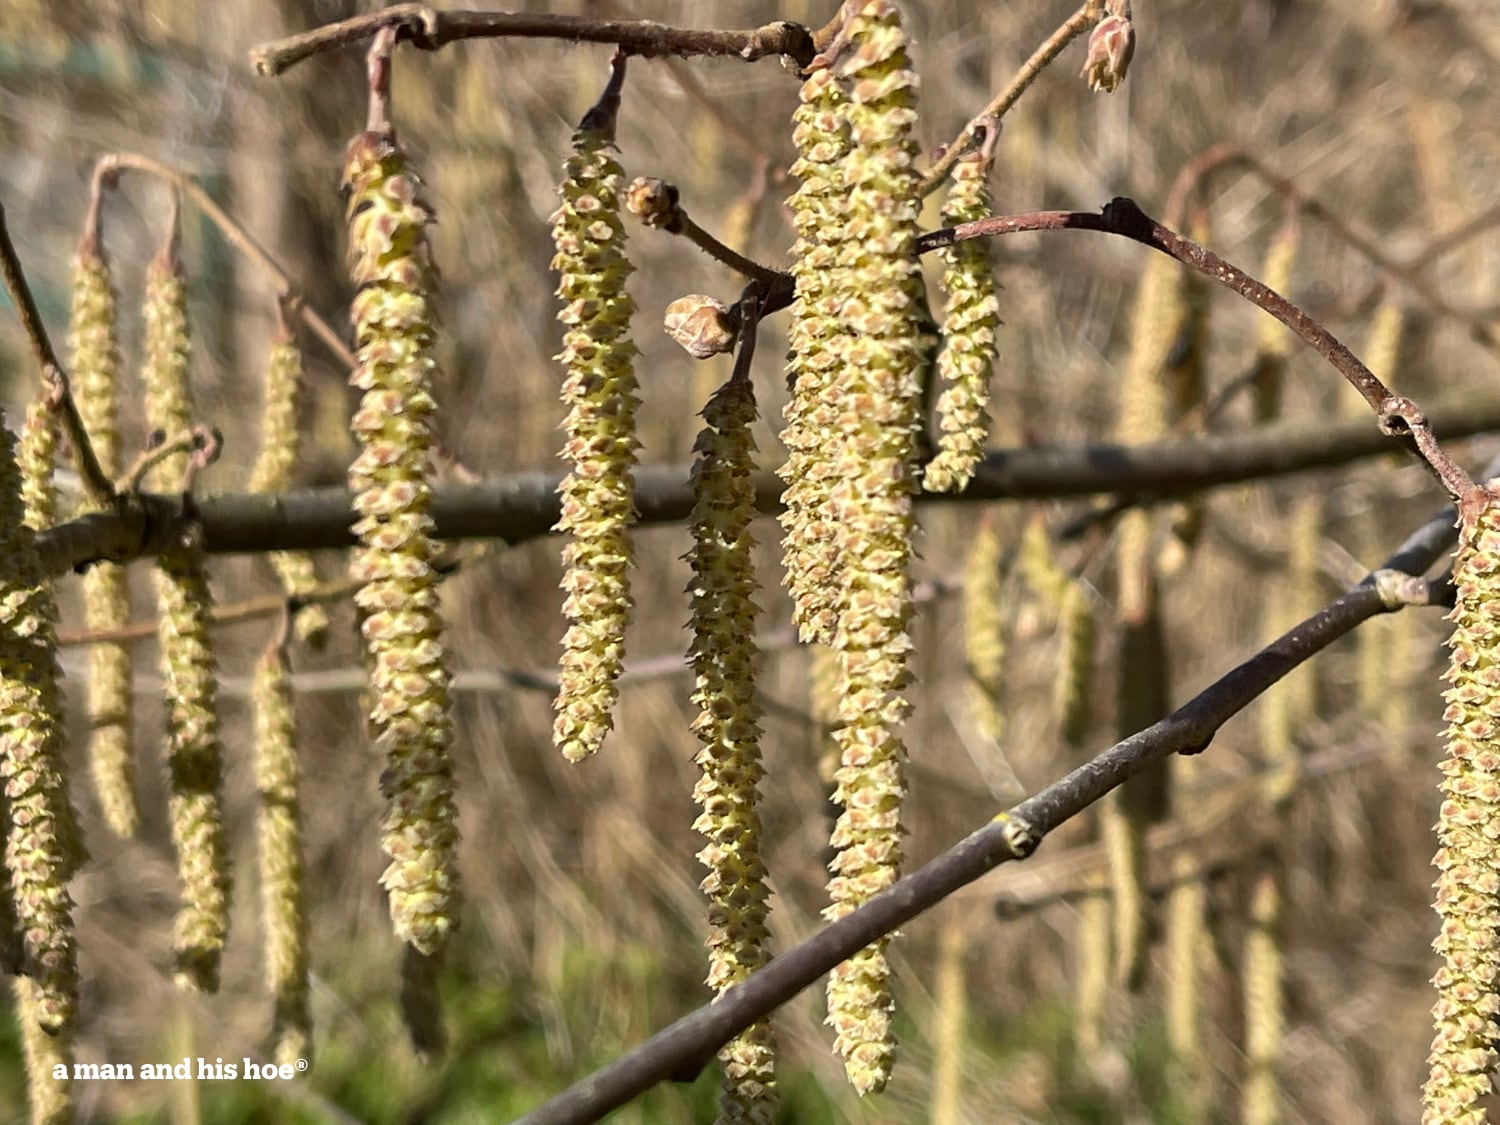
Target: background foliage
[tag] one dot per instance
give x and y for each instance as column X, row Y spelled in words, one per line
column 582, row 929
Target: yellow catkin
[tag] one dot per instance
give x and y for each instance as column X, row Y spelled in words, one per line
column 984, row 627
column 1092, row 936
column 1293, row 701
column 728, row 725
column 106, row 595
column 51, row 1098
column 1265, row 1024
column 1463, row 1054
column 189, row 669
column 950, row 1015
column 598, row 504
column 1073, row 693
column 876, row 415
column 280, row 442
column 283, row 893
column 395, row 371
column 43, row 845
column 1273, row 340
column 814, row 337
column 971, row 317
column 37, row 456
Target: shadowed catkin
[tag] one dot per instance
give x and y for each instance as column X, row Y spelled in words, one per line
column 189, row 670
column 814, row 337
column 984, row 626
column 971, row 316
column 728, row 725
column 875, row 417
column 390, row 261
column 1463, row 1054
column 1092, row 933
column 283, row 894
column 1273, row 340
column 106, row 595
column 1074, row 685
column 598, row 494
column 37, row 455
column 280, row 442
column 950, row 1015
column 43, row 845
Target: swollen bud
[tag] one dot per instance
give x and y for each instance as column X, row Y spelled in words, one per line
column 702, row 325
column 1111, row 44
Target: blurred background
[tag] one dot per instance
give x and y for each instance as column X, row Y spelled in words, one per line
column 583, row 925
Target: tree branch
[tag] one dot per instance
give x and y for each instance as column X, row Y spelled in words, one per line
column 522, row 506
column 430, row 29
column 679, row 1051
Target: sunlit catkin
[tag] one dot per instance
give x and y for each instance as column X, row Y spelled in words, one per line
column 1265, row 1023
column 876, row 414
column 728, row 725
column 283, row 894
column 598, row 494
column 189, row 670
column 51, row 1098
column 43, row 846
column 971, row 316
column 280, row 442
column 106, row 595
column 815, row 336
column 395, row 370
column 1463, row 1054
column 1074, row 685
column 37, row 456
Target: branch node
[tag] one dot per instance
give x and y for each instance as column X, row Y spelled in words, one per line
column 1020, row 837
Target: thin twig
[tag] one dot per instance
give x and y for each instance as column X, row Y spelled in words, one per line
column 430, row 29
column 681, row 1050
column 108, row 168
column 1074, row 26
column 54, row 378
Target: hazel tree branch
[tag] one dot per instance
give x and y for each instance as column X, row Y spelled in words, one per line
column 519, row 507
column 430, row 28
column 679, row 1051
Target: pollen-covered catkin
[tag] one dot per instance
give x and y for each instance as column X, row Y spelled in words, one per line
column 280, row 442
column 598, row 494
column 728, row 725
column 984, row 627
column 189, row 669
column 37, row 455
column 395, row 369
column 1463, row 1054
column 971, row 317
column 875, row 415
column 1273, row 341
column 106, row 595
column 1265, row 1021
column 43, row 845
column 282, row 891
column 815, row 336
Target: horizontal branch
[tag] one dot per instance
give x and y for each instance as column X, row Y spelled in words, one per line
column 524, row 506
column 679, row 1051
column 429, row 28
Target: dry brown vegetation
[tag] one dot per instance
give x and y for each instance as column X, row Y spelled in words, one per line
column 582, row 904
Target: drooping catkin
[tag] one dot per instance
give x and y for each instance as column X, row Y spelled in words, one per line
column 37, row 456
column 728, row 725
column 1273, row 340
column 815, row 337
column 1463, row 1055
column 106, row 595
column 1265, row 1023
column 1293, row 701
column 51, row 1098
column 189, row 669
column 1092, row 934
column 875, row 420
column 43, row 844
column 985, row 627
column 1073, row 693
column 395, row 369
column 283, row 893
column 971, row 317
column 598, row 494
column 950, row 1015
column 280, row 443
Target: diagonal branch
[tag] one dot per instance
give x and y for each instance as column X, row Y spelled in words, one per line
column 430, row 28
column 679, row 1051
